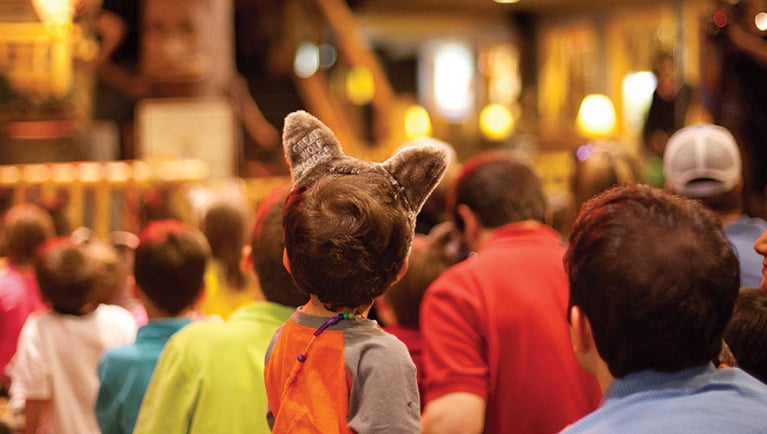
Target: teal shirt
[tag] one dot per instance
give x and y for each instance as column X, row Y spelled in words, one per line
column 210, row 378
column 124, row 375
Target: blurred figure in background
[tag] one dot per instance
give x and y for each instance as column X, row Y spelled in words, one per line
column 430, row 255
column 227, row 285
column 496, row 346
column 53, row 374
column 667, row 113
column 734, row 83
column 170, row 263
column 702, row 162
column 25, row 227
column 210, row 375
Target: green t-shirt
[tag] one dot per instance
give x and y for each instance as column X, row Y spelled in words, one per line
column 210, row 376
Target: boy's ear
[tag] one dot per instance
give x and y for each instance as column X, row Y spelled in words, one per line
column 471, row 225
column 401, row 273
column 580, row 332
column 285, row 260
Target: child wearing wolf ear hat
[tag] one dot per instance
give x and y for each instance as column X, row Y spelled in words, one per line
column 348, row 228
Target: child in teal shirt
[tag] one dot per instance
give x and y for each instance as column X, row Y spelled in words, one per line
column 169, row 264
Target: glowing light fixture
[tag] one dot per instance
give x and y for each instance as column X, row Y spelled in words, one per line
column 761, row 21
column 307, row 60
column 596, row 116
column 360, row 87
column 54, row 11
column 453, row 80
column 496, row 121
column 417, row 122
column 505, row 2
column 637, row 92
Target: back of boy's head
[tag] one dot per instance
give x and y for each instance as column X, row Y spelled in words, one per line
column 267, row 246
column 499, row 190
column 25, row 227
column 746, row 333
column 111, row 272
column 655, row 276
column 349, row 223
column 427, row 261
column 66, row 274
column 170, row 263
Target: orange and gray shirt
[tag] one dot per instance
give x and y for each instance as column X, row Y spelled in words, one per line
column 339, row 376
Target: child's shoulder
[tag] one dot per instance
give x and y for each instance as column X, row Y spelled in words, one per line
column 114, row 313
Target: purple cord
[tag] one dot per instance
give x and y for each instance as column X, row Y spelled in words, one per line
column 332, row 320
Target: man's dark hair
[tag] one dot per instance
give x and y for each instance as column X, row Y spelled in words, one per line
column 727, row 201
column 66, row 275
column 655, row 276
column 746, row 333
column 170, row 264
column 499, row 190
column 267, row 245
column 347, row 238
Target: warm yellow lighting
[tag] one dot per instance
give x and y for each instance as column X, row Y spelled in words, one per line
column 63, row 173
column 496, row 121
column 360, row 87
column 54, row 11
column 417, row 122
column 36, row 173
column 596, row 116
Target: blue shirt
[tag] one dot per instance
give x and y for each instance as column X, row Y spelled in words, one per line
column 124, row 375
column 742, row 234
column 695, row 400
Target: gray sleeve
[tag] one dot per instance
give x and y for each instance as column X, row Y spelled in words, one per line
column 384, row 394
column 269, row 349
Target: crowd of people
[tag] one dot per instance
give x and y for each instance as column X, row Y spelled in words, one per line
column 647, row 315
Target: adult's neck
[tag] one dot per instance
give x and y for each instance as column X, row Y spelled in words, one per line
column 728, row 217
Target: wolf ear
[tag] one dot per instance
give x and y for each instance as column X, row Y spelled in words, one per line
column 307, row 142
column 419, row 167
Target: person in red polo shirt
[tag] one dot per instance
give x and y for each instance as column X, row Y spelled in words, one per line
column 496, row 343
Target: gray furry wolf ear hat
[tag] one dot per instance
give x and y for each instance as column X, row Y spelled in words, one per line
column 313, row 151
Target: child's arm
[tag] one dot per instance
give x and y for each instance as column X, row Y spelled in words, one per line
column 384, row 395
column 34, row 411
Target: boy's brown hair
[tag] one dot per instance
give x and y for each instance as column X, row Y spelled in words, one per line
column 170, row 264
column 25, row 227
column 66, row 275
column 349, row 223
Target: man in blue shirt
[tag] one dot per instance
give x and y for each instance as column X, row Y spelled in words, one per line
column 703, row 162
column 653, row 281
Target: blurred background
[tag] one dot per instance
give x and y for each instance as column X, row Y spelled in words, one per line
column 135, row 98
